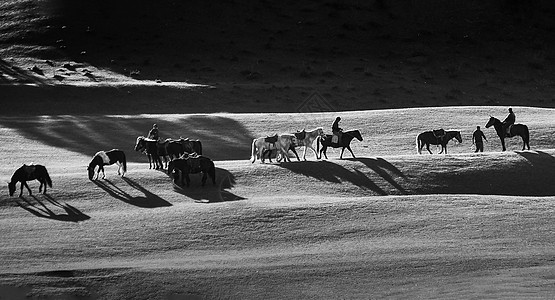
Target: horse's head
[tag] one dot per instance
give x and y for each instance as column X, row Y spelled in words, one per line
column 492, row 121
column 357, row 134
column 458, row 137
column 90, row 170
column 320, row 132
column 11, row 187
column 140, row 144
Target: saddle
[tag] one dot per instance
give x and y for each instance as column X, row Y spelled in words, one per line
column 508, row 130
column 439, row 133
column 271, row 139
column 336, row 137
column 300, row 135
column 29, row 170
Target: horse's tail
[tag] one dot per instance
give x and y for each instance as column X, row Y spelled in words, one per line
column 47, row 178
column 212, row 172
column 124, row 162
column 253, row 151
column 199, row 150
column 418, row 145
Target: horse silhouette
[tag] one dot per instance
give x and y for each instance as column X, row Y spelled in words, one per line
column 515, row 130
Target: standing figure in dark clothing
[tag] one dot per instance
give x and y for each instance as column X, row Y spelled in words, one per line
column 337, row 131
column 477, row 139
column 508, row 122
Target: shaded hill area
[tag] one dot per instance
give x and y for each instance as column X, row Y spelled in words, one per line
column 266, row 56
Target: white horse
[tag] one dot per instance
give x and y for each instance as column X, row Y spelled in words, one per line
column 259, row 146
column 283, row 144
column 308, row 139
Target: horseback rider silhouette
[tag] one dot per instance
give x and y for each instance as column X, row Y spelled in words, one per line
column 337, row 131
column 153, row 133
column 508, row 122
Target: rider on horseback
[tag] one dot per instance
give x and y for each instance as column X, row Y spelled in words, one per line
column 508, row 122
column 153, row 133
column 337, row 131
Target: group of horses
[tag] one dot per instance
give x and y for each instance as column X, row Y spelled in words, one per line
column 428, row 138
column 183, row 156
column 283, row 143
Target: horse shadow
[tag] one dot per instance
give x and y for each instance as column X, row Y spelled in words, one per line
column 72, row 214
column 334, row 173
column 539, row 159
column 383, row 168
column 225, row 181
column 149, row 200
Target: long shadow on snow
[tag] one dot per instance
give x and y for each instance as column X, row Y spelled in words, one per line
column 150, row 200
column 72, row 214
column 334, row 173
column 222, row 138
column 209, row 193
column 381, row 167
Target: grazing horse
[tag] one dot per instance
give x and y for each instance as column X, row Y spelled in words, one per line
column 515, row 130
column 428, row 138
column 306, row 139
column 150, row 147
column 346, row 139
column 189, row 164
column 106, row 158
column 30, row 172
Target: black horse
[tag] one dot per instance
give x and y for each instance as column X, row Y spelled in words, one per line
column 515, row 130
column 192, row 165
column 176, row 148
column 105, row 158
column 191, row 146
column 30, row 172
column 346, row 139
column 428, row 138
column 150, row 147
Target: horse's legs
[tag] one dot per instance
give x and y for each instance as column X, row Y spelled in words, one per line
column 342, row 151
column 503, row 144
column 204, row 176
column 323, row 151
column 313, row 150
column 349, row 148
column 101, row 168
column 149, row 161
column 187, row 179
column 428, row 148
column 295, row 152
column 24, row 184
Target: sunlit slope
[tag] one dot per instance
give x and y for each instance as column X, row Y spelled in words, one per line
column 229, row 136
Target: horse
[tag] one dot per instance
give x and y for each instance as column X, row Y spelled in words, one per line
column 192, row 164
column 105, row 158
column 428, row 138
column 515, row 130
column 259, row 147
column 30, row 172
column 191, row 146
column 306, row 139
column 150, row 147
column 346, row 139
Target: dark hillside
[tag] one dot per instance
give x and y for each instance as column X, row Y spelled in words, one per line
column 268, row 56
